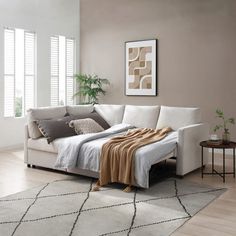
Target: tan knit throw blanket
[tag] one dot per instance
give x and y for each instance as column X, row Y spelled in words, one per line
column 116, row 161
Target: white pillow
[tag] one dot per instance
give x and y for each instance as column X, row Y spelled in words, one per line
column 177, row 117
column 42, row 113
column 85, row 126
column 141, row 116
column 76, row 110
column 112, row 114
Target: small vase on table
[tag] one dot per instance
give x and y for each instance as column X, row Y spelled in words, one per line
column 226, row 138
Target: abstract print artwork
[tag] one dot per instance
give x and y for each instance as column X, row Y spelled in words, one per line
column 141, row 66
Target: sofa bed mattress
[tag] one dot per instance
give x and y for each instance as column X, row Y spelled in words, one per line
column 145, row 157
column 83, row 151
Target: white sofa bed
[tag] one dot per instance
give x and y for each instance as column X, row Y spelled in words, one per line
column 183, row 144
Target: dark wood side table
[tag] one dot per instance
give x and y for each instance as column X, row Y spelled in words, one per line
column 231, row 145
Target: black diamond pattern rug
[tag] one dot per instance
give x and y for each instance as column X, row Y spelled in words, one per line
column 69, row 207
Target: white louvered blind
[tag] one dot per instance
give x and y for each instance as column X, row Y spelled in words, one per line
column 54, row 71
column 29, row 76
column 69, row 71
column 19, row 71
column 9, row 72
column 62, row 70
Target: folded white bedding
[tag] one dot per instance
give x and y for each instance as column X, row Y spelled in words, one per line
column 68, row 148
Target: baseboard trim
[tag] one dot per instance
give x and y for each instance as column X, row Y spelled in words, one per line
column 13, row 147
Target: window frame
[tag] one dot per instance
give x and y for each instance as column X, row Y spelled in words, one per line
column 53, row 101
column 34, row 75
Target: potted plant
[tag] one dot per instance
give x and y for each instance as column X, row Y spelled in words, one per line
column 224, row 126
column 90, row 87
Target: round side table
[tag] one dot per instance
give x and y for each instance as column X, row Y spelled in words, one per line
column 207, row 144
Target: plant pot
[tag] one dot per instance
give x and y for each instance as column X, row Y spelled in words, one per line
column 226, row 138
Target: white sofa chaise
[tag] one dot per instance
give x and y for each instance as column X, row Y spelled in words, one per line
column 186, row 121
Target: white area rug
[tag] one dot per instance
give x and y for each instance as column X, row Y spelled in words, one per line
column 68, row 207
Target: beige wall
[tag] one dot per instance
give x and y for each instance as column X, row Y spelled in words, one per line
column 196, row 49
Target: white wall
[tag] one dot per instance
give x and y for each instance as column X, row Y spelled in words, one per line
column 46, row 18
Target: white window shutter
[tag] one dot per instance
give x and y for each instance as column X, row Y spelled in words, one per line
column 54, row 70
column 70, row 49
column 19, row 71
column 62, row 70
column 29, row 80
column 9, row 72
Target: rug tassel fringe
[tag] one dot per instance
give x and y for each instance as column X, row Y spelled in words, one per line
column 128, row 189
column 96, row 187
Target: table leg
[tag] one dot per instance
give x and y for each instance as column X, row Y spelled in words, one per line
column 202, row 162
column 234, row 161
column 223, row 165
column 212, row 161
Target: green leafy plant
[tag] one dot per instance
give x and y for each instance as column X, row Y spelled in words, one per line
column 224, row 126
column 90, row 87
column 18, row 107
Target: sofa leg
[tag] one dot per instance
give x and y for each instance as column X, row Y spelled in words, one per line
column 180, row 176
column 28, row 165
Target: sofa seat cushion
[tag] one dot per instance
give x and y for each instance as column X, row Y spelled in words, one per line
column 177, row 117
column 41, row 144
column 42, row 113
column 112, row 114
column 141, row 116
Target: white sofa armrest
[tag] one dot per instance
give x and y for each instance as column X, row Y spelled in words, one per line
column 26, row 144
column 189, row 150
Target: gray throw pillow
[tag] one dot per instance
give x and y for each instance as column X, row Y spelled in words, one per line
column 85, row 126
column 56, row 128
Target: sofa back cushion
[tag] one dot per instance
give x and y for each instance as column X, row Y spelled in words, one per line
column 141, row 116
column 177, row 117
column 112, row 114
column 79, row 109
column 42, row 113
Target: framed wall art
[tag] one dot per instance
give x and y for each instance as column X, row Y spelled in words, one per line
column 141, row 68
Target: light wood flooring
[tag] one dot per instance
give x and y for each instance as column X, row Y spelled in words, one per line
column 217, row 219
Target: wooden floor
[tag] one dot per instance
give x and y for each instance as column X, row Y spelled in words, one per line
column 217, row 219
column 16, row 177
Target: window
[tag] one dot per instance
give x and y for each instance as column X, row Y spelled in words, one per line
column 62, row 70
column 19, row 71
